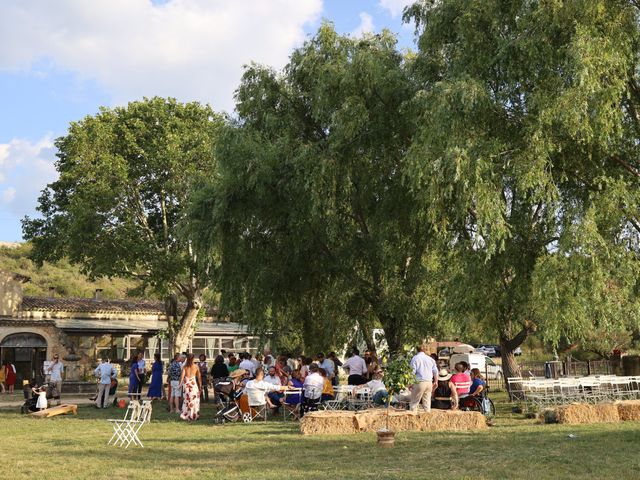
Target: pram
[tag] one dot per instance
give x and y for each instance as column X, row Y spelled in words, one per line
column 229, row 395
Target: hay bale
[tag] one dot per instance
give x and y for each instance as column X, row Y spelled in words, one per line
column 451, row 420
column 629, row 410
column 372, row 420
column 435, row 420
column 576, row 413
column 328, row 423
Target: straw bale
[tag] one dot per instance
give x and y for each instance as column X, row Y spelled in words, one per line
column 575, row 413
column 548, row 415
column 451, row 420
column 329, row 423
column 372, row 420
column 629, row 410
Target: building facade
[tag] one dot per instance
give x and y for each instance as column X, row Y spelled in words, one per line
column 82, row 330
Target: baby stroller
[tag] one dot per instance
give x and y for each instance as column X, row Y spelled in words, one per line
column 30, row 403
column 229, row 394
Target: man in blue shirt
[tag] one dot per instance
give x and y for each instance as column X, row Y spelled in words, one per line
column 426, row 372
column 105, row 372
column 327, row 364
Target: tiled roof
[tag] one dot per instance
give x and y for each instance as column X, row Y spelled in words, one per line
column 89, row 305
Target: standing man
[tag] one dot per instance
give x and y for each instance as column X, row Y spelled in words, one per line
column 105, row 372
column 56, row 372
column 142, row 369
column 204, row 391
column 337, row 364
column 327, row 364
column 247, row 364
column 173, row 376
column 357, row 368
column 426, row 372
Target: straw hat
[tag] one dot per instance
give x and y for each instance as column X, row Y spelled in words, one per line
column 238, row 373
column 444, row 374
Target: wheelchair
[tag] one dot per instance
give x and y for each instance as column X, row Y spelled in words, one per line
column 482, row 404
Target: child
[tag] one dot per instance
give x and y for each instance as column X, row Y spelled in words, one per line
column 42, row 397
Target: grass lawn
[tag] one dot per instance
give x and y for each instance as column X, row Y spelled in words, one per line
column 75, row 447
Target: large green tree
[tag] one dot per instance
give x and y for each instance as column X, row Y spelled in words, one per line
column 118, row 206
column 528, row 152
column 319, row 228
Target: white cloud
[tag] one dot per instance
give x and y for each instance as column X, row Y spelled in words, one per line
column 366, row 25
column 8, row 195
column 190, row 49
column 25, row 169
column 395, row 7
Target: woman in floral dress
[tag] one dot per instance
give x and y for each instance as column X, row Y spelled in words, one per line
column 190, row 382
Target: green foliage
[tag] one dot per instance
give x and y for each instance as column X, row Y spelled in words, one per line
column 527, row 150
column 118, row 206
column 65, row 277
column 318, row 230
column 398, row 375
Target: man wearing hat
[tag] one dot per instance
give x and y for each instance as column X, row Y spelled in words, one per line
column 426, row 372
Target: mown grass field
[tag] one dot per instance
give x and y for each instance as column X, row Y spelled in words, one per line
column 75, row 448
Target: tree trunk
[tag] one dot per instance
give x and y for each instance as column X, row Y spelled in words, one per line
column 181, row 330
column 510, row 367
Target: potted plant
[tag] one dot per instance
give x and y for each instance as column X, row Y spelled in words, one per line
column 398, row 375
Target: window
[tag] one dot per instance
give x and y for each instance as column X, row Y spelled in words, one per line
column 490, row 362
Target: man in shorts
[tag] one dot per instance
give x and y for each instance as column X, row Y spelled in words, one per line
column 56, row 372
column 173, row 373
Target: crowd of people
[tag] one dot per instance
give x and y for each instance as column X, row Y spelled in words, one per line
column 266, row 378
column 436, row 387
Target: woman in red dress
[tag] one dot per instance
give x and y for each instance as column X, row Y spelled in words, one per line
column 10, row 376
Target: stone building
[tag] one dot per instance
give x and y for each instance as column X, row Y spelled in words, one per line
column 81, row 330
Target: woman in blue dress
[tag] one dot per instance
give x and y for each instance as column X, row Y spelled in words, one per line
column 134, row 379
column 155, row 387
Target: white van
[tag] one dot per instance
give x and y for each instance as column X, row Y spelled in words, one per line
column 483, row 363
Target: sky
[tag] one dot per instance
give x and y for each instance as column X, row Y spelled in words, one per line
column 62, row 60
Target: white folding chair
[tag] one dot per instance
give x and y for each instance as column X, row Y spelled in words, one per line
column 257, row 405
column 132, row 413
column 291, row 410
column 132, row 428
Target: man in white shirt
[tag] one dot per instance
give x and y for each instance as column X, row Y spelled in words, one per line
column 257, row 388
column 105, row 372
column 426, row 372
column 377, row 387
column 313, row 383
column 357, row 368
column 56, row 372
column 274, row 380
column 247, row 364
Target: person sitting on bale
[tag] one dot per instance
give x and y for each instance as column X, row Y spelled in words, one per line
column 461, row 380
column 445, row 396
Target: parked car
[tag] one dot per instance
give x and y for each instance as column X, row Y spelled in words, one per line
column 489, row 350
column 517, row 352
column 477, row 360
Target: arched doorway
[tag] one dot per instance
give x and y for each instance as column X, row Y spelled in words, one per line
column 27, row 351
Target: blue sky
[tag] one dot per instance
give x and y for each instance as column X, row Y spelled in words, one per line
column 60, row 61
